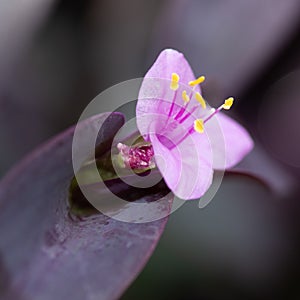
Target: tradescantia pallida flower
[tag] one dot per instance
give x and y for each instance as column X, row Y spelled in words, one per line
column 183, row 136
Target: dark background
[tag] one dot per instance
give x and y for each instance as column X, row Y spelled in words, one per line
column 56, row 56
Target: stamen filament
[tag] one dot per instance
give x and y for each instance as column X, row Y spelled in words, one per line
column 190, row 131
column 226, row 105
column 183, row 109
column 186, row 103
column 188, row 114
column 172, row 105
column 214, row 112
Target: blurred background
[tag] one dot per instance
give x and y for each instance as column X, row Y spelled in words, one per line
column 57, row 55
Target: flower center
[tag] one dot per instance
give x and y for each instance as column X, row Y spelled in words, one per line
column 198, row 125
column 141, row 156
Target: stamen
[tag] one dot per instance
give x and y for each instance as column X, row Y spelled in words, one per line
column 188, row 133
column 200, row 99
column 228, row 103
column 173, row 104
column 188, row 114
column 213, row 112
column 199, row 125
column 185, row 97
column 197, row 81
column 174, row 82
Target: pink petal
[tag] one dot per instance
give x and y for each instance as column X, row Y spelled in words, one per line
column 171, row 61
column 229, row 140
column 187, row 168
column 156, row 97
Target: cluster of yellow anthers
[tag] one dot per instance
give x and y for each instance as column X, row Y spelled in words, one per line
column 199, row 123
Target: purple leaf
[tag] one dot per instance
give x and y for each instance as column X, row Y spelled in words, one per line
column 259, row 164
column 46, row 252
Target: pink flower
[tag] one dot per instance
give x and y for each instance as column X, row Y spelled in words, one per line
column 189, row 139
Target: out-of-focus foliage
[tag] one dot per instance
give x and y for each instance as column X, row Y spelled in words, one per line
column 46, row 252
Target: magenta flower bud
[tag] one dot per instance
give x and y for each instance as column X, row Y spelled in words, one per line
column 138, row 157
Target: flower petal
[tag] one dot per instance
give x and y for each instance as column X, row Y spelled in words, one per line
column 155, row 95
column 186, row 168
column 171, row 61
column 229, row 140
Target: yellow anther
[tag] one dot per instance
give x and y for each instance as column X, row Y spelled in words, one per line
column 185, row 97
column 197, row 81
column 200, row 99
column 174, row 82
column 228, row 103
column 199, row 125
